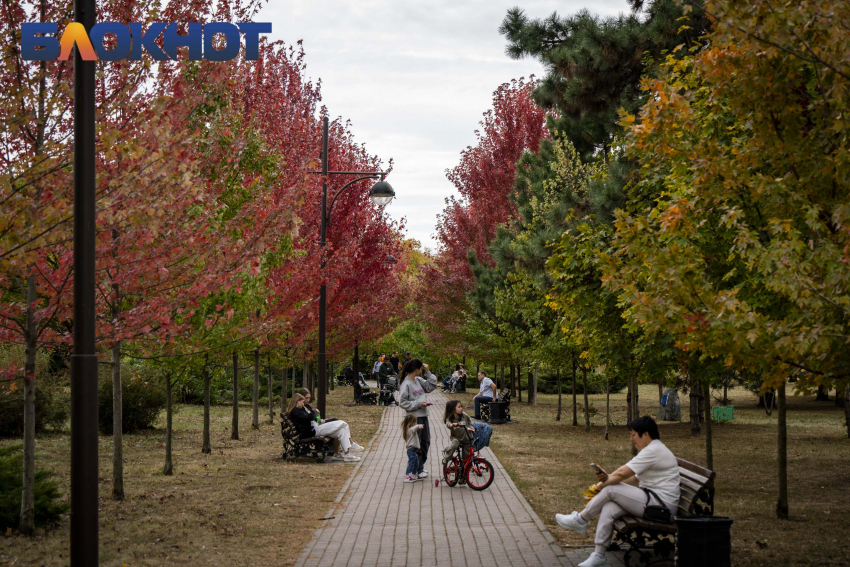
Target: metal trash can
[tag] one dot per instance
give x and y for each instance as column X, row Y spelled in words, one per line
column 703, row 541
column 497, row 412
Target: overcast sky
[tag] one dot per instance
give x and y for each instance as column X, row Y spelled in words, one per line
column 414, row 78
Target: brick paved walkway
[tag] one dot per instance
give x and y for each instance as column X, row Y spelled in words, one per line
column 380, row 520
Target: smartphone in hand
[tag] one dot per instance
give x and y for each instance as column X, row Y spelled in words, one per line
column 597, row 469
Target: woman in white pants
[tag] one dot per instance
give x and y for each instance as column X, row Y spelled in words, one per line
column 338, row 456
column 622, row 492
column 308, row 426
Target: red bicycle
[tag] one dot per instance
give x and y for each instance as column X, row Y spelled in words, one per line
column 477, row 472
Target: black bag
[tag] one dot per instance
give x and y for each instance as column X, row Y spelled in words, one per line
column 655, row 513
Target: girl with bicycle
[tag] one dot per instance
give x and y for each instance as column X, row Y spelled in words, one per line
column 457, row 421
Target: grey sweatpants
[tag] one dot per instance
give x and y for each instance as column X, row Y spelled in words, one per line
column 611, row 503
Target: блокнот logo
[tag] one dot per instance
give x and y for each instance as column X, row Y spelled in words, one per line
column 131, row 38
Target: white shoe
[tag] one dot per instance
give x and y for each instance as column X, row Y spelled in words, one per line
column 572, row 522
column 338, row 457
column 595, row 560
column 349, row 458
column 356, row 447
column 423, row 474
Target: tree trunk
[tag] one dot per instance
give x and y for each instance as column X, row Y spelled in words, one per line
column 607, row 406
column 693, row 395
column 304, row 381
column 255, row 395
column 575, row 402
column 822, row 395
column 709, row 448
column 847, row 410
column 532, row 386
column 839, row 397
column 331, row 378
column 234, row 426
column 660, row 393
column 271, row 391
column 782, row 457
column 314, row 375
column 205, row 448
column 283, row 387
column 519, row 383
column 356, row 362
column 629, row 401
column 27, row 525
column 558, row 417
column 477, row 367
column 513, row 381
column 501, row 378
column 168, row 469
column 117, row 425
column 586, row 402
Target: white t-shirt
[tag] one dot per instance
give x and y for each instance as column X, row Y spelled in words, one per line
column 485, row 389
column 656, row 468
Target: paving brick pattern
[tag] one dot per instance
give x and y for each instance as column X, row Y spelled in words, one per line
column 380, row 520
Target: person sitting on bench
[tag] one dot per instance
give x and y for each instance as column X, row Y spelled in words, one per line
column 307, row 425
column 654, row 472
column 486, row 392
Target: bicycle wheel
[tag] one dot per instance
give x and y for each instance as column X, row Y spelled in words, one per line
column 451, row 471
column 479, row 474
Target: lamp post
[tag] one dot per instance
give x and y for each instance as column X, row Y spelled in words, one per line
column 381, row 194
column 84, row 489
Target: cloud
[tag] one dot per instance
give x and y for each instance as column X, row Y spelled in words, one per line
column 414, row 78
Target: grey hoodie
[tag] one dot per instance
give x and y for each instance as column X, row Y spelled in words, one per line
column 411, row 394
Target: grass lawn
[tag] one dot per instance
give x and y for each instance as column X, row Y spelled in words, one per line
column 549, row 461
column 240, row 505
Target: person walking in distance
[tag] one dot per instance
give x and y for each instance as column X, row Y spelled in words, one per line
column 412, row 398
column 394, row 361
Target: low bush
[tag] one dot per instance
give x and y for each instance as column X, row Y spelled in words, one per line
column 52, row 407
column 143, row 397
column 48, row 508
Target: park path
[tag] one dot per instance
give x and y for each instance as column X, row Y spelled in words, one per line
column 379, row 520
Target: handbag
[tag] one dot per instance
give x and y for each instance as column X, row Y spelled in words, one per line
column 655, row 513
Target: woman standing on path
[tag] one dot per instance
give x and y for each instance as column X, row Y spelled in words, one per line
column 412, row 399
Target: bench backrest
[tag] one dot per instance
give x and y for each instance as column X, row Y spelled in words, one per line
column 697, row 489
column 287, row 427
column 504, row 395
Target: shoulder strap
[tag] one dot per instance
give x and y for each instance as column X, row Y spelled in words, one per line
column 660, row 501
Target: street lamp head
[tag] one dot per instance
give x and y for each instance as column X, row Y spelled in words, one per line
column 381, row 193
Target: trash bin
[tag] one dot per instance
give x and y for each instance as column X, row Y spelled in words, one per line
column 497, row 412
column 703, row 541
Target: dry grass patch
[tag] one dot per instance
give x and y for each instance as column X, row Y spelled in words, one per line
column 549, row 460
column 241, row 505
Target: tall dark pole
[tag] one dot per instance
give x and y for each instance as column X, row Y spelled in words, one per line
column 323, row 290
column 84, row 516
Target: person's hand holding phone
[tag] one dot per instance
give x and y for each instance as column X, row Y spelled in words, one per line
column 601, row 475
column 426, row 404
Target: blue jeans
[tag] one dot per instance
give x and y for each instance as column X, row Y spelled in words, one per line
column 412, row 462
column 447, row 383
column 478, row 400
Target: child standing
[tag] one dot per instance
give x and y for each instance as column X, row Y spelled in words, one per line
column 457, row 422
column 410, row 434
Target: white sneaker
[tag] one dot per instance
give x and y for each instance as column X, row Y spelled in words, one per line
column 572, row 522
column 356, row 447
column 595, row 560
column 349, row 458
column 338, row 457
column 423, row 474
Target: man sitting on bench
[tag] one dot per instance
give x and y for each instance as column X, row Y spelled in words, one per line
column 653, row 472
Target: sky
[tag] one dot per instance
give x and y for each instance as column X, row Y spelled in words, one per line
column 414, row 78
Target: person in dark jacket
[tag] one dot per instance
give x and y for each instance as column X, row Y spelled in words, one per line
column 308, row 424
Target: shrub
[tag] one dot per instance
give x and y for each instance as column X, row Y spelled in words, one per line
column 52, row 406
column 48, row 509
column 143, row 397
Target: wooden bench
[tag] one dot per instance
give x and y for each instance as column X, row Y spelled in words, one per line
column 504, row 396
column 293, row 446
column 645, row 538
column 364, row 396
